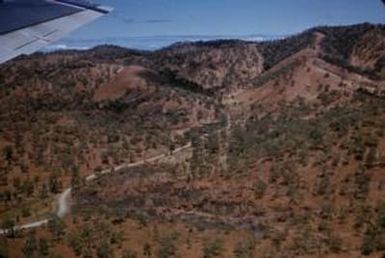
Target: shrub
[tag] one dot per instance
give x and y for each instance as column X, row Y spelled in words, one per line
column 127, row 253
column 167, row 246
column 245, row 249
column 212, row 248
column 104, row 250
column 260, row 189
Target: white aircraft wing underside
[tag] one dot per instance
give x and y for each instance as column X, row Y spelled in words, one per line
column 30, row 38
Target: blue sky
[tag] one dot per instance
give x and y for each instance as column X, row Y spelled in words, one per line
column 145, row 19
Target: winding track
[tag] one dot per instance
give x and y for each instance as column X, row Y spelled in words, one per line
column 63, row 200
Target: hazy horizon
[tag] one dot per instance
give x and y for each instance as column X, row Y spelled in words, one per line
column 152, row 24
column 150, row 42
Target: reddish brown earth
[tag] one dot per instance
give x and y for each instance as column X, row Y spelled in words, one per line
column 287, row 152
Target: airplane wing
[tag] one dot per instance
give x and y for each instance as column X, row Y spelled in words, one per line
column 29, row 25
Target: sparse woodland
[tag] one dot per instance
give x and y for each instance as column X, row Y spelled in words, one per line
column 287, row 154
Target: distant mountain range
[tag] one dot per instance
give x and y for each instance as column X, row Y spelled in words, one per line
column 151, row 42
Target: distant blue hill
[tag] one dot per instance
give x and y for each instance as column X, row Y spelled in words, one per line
column 149, row 42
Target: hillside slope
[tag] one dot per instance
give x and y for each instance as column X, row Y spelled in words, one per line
column 287, row 151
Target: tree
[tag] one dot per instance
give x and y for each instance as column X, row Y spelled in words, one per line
column 212, row 248
column 260, row 188
column 171, row 146
column 147, row 250
column 8, row 225
column 6, row 196
column 127, row 253
column 43, row 192
column 3, row 248
column 245, row 249
column 374, row 238
column 166, row 246
column 43, row 246
column 75, row 178
column 28, row 187
column 56, row 256
column 371, row 157
column 8, row 154
column 56, row 226
column 362, row 181
column 104, row 250
column 76, row 243
column 212, row 144
column 30, row 247
column 196, row 163
column 17, row 183
column 25, row 212
column 54, row 184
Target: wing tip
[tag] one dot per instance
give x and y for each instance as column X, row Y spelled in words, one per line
column 86, row 5
column 107, row 9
